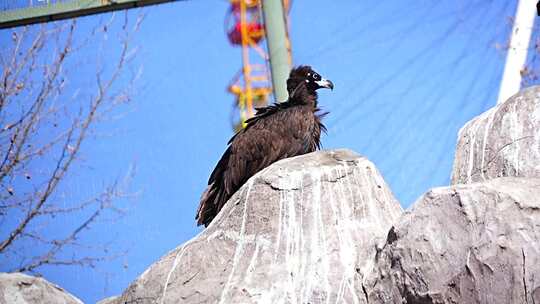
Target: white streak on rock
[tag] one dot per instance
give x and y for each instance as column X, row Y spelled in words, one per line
column 472, row 140
column 516, row 134
column 240, row 246
column 177, row 258
column 489, row 119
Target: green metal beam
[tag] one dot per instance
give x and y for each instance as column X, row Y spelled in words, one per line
column 66, row 9
column 276, row 38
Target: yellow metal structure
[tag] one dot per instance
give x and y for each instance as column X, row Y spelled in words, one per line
column 251, row 86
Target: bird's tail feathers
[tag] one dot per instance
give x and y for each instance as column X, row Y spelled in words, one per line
column 206, row 205
column 212, row 200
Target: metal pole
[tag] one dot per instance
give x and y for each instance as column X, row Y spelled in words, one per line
column 59, row 10
column 517, row 51
column 276, row 37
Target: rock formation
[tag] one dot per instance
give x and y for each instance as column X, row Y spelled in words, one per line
column 19, row 288
column 304, row 230
column 504, row 141
column 479, row 240
column 324, row 228
column 474, row 243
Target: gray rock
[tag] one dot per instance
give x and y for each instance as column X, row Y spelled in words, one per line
column 301, row 231
column 475, row 243
column 504, row 141
column 19, row 288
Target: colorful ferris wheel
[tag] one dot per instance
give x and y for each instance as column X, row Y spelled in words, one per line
column 251, row 85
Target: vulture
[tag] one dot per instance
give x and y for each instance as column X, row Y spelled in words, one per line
column 276, row 132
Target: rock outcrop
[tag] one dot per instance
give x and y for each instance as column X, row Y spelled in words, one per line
column 304, row 230
column 504, row 141
column 479, row 240
column 325, row 228
column 19, row 288
column 475, row 243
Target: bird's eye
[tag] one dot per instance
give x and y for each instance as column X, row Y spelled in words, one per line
column 316, row 76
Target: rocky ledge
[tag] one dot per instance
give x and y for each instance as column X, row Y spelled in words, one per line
column 325, row 228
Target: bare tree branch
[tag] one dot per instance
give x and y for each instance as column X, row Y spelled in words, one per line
column 39, row 122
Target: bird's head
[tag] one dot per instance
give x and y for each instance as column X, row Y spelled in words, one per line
column 304, row 74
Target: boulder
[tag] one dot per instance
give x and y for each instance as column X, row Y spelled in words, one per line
column 473, row 243
column 304, row 230
column 19, row 288
column 504, row 141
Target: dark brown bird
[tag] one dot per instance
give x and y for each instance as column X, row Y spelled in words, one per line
column 278, row 131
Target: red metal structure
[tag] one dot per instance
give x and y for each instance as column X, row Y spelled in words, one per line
column 251, row 86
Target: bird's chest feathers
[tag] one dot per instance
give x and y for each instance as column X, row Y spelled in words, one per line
column 299, row 120
column 302, row 126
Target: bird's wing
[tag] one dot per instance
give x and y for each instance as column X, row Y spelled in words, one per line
column 266, row 139
column 252, row 151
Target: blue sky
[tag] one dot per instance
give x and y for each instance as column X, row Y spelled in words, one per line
column 407, row 77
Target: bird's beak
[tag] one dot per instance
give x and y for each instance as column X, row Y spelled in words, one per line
column 325, row 83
